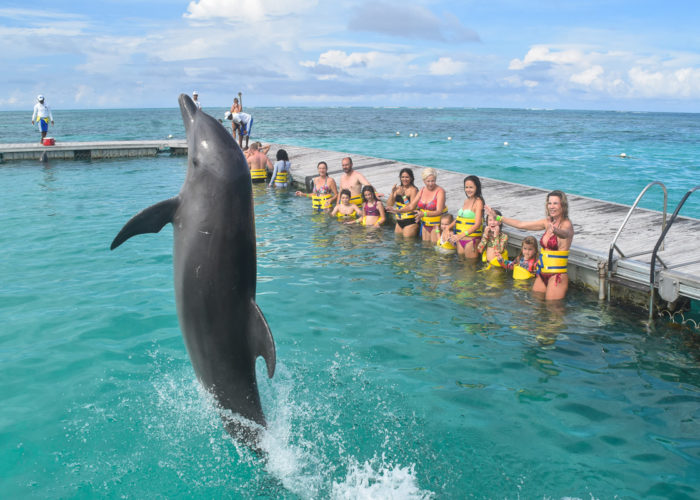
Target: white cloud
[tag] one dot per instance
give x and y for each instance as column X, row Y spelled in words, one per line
column 612, row 73
column 245, row 10
column 683, row 82
column 540, row 53
column 588, row 76
column 447, row 66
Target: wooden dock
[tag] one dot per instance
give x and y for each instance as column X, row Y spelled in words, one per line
column 91, row 150
column 595, row 222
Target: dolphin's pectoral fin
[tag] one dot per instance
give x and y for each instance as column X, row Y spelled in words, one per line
column 149, row 220
column 261, row 339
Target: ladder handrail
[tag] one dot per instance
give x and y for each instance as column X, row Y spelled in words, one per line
column 613, row 245
column 659, row 242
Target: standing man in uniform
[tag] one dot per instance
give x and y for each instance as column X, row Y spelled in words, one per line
column 353, row 182
column 43, row 115
column 195, row 98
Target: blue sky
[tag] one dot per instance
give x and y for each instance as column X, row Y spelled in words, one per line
column 616, row 54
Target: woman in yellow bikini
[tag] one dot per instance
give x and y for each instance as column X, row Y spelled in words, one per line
column 552, row 278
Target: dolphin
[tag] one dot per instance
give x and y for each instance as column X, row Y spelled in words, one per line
column 215, row 269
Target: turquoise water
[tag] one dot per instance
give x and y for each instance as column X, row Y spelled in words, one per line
column 576, row 151
column 400, row 372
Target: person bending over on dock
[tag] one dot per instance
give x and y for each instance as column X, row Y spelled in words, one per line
column 352, row 181
column 325, row 190
column 552, row 278
column 260, row 165
column 245, row 125
column 43, row 115
column 400, row 197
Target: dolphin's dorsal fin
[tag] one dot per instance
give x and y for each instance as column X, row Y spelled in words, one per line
column 149, row 220
column 261, row 340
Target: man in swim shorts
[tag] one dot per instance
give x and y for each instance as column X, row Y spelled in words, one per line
column 43, row 115
column 257, row 160
column 352, row 181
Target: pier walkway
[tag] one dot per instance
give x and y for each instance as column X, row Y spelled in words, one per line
column 90, row 150
column 596, row 222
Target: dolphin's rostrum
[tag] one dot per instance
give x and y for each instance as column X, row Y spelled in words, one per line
column 215, row 267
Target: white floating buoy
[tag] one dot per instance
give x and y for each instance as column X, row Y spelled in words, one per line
column 449, row 138
column 398, row 133
column 410, row 135
column 170, row 136
column 623, row 155
column 505, row 143
column 415, row 135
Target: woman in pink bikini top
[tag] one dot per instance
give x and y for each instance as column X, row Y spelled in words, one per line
column 552, row 278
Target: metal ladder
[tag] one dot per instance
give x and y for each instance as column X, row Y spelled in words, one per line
column 668, row 289
column 613, row 243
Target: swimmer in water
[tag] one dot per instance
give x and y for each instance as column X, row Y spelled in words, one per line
column 494, row 242
column 372, row 209
column 325, row 190
column 346, row 211
column 469, row 223
column 552, row 278
column 400, row 197
column 526, row 259
column 444, row 244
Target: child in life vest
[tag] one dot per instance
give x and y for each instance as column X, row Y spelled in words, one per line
column 524, row 265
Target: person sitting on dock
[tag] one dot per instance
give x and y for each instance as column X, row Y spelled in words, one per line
column 552, row 277
column 325, row 190
column 260, row 165
column 352, row 181
column 346, row 211
column 42, row 114
column 400, row 197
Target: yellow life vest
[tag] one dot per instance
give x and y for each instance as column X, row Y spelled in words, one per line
column 356, row 200
column 463, row 223
column 406, row 215
column 258, row 174
column 282, row 178
column 432, row 220
column 321, row 201
column 553, row 261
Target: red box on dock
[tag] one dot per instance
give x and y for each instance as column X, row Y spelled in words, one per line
column 49, row 141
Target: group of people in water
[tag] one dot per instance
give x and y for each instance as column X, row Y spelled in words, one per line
column 475, row 232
